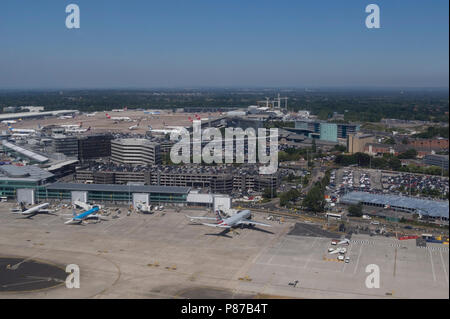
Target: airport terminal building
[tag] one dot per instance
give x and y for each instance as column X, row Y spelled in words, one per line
column 96, row 193
column 32, row 184
column 18, row 181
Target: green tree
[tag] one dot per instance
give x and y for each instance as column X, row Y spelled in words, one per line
column 269, row 193
column 355, row 210
column 289, row 196
column 314, row 146
column 409, row 154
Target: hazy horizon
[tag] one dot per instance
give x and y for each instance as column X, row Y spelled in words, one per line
column 236, row 44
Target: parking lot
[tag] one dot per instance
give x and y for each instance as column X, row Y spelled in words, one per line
column 406, row 183
column 376, row 181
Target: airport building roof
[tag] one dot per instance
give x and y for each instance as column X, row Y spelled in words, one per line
column 432, row 208
column 15, row 116
column 58, row 165
column 134, row 142
column 119, row 188
column 27, row 153
column 23, row 173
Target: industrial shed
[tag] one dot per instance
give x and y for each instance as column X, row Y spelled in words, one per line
column 431, row 208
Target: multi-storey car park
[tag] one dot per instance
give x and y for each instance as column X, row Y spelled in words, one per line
column 217, row 179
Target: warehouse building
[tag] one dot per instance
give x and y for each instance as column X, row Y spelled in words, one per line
column 437, row 160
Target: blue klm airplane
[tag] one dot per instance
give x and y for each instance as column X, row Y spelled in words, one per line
column 78, row 219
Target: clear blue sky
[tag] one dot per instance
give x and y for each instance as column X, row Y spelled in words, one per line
column 215, row 43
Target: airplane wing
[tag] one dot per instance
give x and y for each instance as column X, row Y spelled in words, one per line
column 84, row 206
column 193, row 217
column 73, row 221
column 28, row 216
column 47, row 211
column 335, row 251
column 96, row 216
column 250, row 222
column 216, row 225
column 18, row 213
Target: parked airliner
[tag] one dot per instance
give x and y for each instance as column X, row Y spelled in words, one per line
column 240, row 219
column 78, row 219
column 33, row 211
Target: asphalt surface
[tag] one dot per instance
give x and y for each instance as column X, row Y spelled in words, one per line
column 21, row 275
column 164, row 255
column 301, row 229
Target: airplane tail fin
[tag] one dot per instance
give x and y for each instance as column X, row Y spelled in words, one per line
column 218, row 216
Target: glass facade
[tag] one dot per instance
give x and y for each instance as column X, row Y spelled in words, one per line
column 301, row 125
column 328, row 132
column 9, row 188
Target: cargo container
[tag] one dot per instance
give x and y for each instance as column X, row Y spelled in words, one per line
column 407, row 237
column 434, row 241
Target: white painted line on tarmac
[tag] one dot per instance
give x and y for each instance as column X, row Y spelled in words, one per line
column 114, row 222
column 310, row 255
column 445, row 268
column 432, row 266
column 357, row 261
column 348, row 254
column 278, row 248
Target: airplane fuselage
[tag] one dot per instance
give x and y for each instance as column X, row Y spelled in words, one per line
column 233, row 220
column 80, row 217
column 34, row 209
